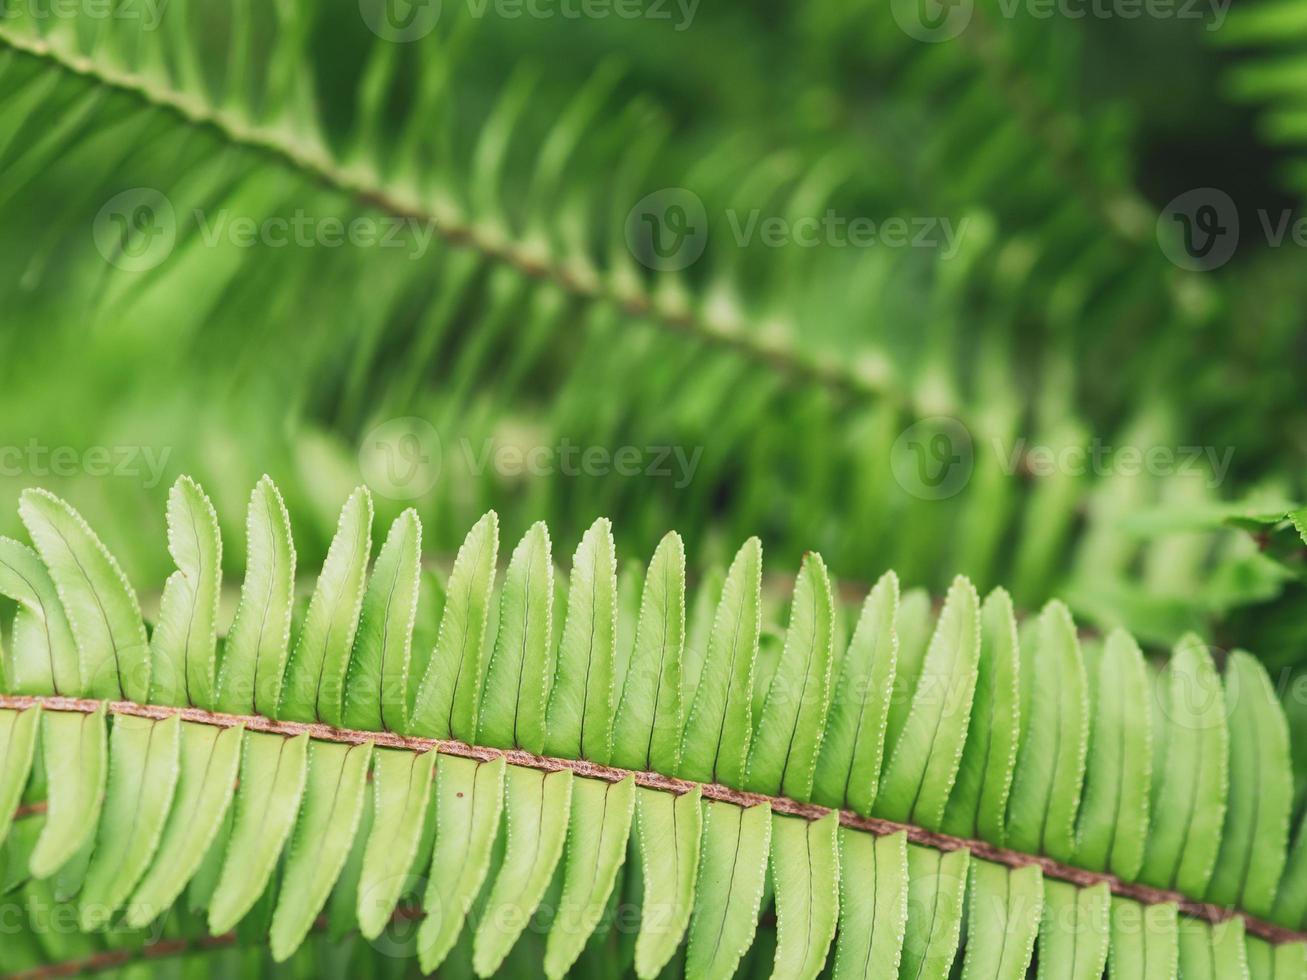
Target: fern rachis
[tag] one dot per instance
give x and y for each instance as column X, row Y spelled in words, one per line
column 447, row 764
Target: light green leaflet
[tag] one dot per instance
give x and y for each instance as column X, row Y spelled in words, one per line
column 538, row 805
column 597, row 835
column 315, row 676
column 732, row 873
column 329, row 817
column 341, row 914
column 469, row 800
column 1286, row 961
column 100, row 604
column 199, row 892
column 852, row 749
column 142, row 777
column 376, row 690
column 1189, row 789
column 669, row 830
column 272, row 778
column 580, row 714
column 924, row 761
column 210, row 758
column 914, row 630
column 1114, row 814
column 513, row 699
column 698, row 626
column 630, row 585
column 783, row 756
column 647, row 732
column 432, row 597
column 43, row 652
column 977, row 806
column 1004, row 906
column 937, row 886
column 17, row 852
column 717, row 731
column 17, row 752
column 254, row 655
column 401, row 783
column 1051, row 763
column 1143, row 940
column 184, row 642
column 1256, row 830
column 449, row 695
column 873, row 905
column 1074, row 932
column 75, row 753
column 805, row 868
column 1212, row 952
column 67, row 881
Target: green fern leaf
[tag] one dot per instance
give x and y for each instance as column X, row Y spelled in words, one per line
column 806, row 870
column 100, row 605
column 580, row 714
column 513, row 700
column 254, row 656
column 449, row 696
column 732, row 870
column 647, row 729
column 716, row 740
column 536, row 810
column 183, row 646
column 273, row 828
column 272, row 777
column 74, row 752
column 206, row 782
column 597, row 834
column 669, row 840
column 328, row 819
column 873, row 905
column 315, row 676
column 469, row 801
column 376, row 688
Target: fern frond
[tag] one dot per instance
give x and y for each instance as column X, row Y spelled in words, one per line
column 926, row 807
column 1269, row 72
column 530, row 308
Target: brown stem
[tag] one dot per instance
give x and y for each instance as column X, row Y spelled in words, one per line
column 1144, row 894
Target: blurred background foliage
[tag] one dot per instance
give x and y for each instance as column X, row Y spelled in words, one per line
column 790, row 374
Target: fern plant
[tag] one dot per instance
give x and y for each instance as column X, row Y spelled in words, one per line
column 528, row 291
column 912, row 790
